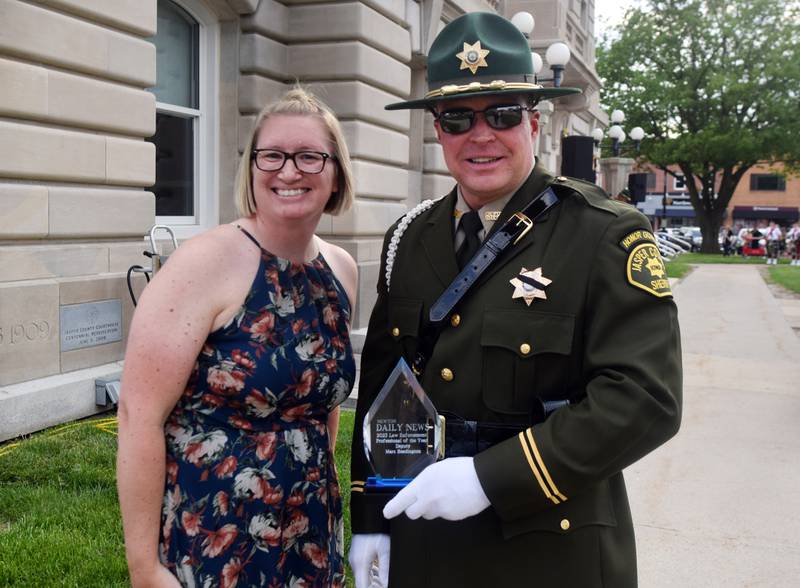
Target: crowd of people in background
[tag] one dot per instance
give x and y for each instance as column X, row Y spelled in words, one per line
column 770, row 241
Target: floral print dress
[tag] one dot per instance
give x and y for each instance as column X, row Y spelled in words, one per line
column 252, row 497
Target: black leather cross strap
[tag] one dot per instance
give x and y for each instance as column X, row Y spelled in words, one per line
column 511, row 232
column 513, row 229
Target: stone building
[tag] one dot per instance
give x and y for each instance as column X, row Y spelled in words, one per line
column 117, row 115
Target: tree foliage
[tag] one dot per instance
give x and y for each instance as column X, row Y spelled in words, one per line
column 715, row 84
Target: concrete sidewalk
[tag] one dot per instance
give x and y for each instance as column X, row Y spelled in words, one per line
column 719, row 505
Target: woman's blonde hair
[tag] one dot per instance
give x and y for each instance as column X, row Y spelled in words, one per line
column 298, row 101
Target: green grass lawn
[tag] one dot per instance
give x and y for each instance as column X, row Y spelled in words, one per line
column 677, row 268
column 682, row 264
column 712, row 258
column 786, row 276
column 59, row 518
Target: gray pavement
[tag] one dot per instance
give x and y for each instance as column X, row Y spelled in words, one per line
column 719, row 505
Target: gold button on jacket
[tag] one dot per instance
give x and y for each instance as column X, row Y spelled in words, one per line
column 447, row 375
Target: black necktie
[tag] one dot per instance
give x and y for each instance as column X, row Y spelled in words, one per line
column 471, row 224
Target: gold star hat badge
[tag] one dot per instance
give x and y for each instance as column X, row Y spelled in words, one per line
column 473, row 56
column 530, row 285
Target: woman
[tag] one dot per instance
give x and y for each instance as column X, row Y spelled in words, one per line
column 237, row 358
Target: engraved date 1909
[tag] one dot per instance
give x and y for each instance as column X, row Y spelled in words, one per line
column 28, row 331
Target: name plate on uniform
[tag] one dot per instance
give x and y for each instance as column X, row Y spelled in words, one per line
column 90, row 323
column 402, row 432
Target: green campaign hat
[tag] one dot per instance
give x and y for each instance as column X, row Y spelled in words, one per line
column 480, row 54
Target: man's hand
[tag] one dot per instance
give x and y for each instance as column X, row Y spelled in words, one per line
column 448, row 489
column 365, row 548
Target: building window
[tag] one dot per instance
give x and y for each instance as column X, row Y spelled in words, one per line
column 185, row 66
column 680, row 183
column 767, row 182
column 651, row 181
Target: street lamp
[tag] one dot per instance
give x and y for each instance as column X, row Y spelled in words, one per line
column 557, row 54
column 617, row 136
column 637, row 134
column 597, row 136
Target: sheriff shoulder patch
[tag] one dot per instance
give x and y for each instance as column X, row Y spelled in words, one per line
column 633, row 238
column 646, row 270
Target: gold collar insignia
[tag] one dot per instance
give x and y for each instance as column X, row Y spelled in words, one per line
column 473, row 57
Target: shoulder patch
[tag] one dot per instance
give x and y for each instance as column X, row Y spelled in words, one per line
column 635, row 237
column 646, row 270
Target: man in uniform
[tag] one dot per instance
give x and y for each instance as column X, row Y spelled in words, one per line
column 575, row 312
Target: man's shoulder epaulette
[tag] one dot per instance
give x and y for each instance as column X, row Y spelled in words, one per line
column 591, row 193
column 399, row 229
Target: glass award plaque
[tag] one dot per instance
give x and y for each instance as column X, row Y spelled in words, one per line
column 402, row 432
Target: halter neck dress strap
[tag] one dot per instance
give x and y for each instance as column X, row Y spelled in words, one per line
column 249, row 236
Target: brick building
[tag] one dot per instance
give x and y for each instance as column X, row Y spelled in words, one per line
column 764, row 193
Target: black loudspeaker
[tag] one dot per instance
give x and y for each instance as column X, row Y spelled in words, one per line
column 577, row 157
column 637, row 186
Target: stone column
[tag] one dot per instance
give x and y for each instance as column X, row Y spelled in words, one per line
column 543, row 147
column 615, row 173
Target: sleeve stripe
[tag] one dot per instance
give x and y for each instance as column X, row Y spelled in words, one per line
column 535, row 471
column 540, row 462
column 357, row 486
column 356, row 489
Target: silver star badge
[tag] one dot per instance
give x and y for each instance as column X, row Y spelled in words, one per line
column 530, row 285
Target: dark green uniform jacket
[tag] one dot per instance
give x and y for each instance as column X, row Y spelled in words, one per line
column 606, row 337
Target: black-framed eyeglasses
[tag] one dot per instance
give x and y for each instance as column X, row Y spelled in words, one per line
column 500, row 117
column 308, row 162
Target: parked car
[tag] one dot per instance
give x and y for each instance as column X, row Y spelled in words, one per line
column 694, row 236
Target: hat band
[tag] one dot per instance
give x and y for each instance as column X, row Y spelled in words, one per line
column 495, row 85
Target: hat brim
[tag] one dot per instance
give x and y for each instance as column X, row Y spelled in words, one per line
column 540, row 93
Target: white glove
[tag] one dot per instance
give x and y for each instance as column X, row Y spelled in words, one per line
column 365, row 548
column 448, row 489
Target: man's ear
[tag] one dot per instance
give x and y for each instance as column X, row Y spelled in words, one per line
column 436, row 126
column 534, row 118
column 438, row 130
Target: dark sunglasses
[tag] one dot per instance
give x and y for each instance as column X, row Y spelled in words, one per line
column 460, row 120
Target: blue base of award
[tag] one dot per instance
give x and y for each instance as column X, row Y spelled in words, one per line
column 386, row 485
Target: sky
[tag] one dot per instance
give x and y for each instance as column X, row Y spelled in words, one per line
column 608, row 13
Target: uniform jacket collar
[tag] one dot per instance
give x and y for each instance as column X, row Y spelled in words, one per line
column 437, row 239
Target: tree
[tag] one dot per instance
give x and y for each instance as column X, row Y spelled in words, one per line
column 716, row 86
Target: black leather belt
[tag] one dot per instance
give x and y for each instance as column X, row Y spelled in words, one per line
column 463, row 438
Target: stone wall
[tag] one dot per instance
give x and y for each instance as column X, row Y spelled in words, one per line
column 74, row 204
column 354, row 56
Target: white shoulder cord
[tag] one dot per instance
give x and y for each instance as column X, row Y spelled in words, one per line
column 398, row 233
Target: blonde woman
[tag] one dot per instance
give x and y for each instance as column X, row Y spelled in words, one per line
column 238, row 357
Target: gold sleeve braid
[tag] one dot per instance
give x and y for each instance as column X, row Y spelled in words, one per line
column 538, row 468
